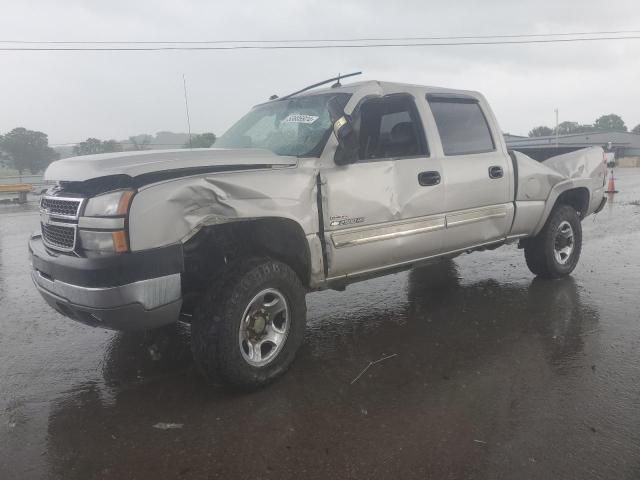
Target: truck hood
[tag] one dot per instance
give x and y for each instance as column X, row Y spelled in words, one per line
column 180, row 161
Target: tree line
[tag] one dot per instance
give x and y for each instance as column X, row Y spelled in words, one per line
column 605, row 122
column 23, row 149
column 92, row 146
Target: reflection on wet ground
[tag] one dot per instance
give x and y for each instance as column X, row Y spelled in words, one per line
column 494, row 375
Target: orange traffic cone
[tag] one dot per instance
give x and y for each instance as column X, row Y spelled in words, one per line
column 611, row 188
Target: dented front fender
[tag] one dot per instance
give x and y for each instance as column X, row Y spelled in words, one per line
column 175, row 210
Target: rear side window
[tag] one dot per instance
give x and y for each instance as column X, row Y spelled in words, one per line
column 462, row 126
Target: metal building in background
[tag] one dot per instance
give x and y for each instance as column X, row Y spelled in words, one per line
column 625, row 145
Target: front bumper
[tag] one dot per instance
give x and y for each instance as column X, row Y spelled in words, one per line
column 125, row 293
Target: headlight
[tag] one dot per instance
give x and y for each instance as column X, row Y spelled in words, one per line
column 106, row 242
column 114, row 204
column 100, row 234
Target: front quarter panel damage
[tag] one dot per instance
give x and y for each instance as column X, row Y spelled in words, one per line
column 175, row 210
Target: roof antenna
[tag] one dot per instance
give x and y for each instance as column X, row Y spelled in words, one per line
column 337, row 84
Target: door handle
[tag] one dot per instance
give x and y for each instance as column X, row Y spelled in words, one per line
column 428, row 179
column 496, row 172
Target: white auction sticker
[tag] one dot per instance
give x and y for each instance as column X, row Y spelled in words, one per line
column 300, row 118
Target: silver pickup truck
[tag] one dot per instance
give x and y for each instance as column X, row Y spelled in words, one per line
column 311, row 191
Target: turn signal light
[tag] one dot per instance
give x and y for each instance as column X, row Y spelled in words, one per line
column 123, row 203
column 120, row 244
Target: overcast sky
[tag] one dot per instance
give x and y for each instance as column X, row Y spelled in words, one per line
column 72, row 96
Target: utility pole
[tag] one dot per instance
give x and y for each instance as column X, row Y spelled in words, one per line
column 556, row 110
column 186, row 105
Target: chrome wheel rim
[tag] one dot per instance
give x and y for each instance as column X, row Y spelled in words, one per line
column 564, row 243
column 264, row 327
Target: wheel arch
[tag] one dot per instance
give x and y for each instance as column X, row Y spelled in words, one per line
column 576, row 196
column 213, row 247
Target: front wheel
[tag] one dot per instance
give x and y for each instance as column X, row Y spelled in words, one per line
column 555, row 251
column 247, row 332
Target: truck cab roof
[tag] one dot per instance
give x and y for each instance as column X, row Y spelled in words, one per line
column 387, row 86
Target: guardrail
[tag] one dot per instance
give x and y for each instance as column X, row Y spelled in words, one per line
column 23, row 186
column 32, row 179
column 22, row 189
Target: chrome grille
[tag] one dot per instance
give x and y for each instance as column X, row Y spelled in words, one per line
column 59, row 221
column 59, row 236
column 61, row 207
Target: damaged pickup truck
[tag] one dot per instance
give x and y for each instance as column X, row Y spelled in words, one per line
column 311, row 191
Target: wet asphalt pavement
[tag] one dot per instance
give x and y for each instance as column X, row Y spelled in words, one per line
column 496, row 375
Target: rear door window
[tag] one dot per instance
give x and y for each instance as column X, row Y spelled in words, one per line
column 462, row 126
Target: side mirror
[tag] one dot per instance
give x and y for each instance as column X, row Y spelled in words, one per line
column 347, row 151
column 348, row 144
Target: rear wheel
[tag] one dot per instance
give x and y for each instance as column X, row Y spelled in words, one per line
column 555, row 251
column 247, row 332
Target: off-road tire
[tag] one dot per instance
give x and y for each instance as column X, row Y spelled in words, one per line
column 216, row 323
column 539, row 250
